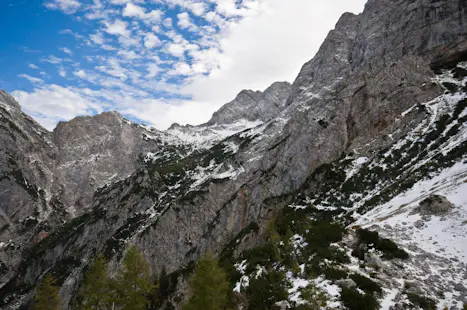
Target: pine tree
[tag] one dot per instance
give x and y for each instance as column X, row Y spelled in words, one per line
column 95, row 292
column 133, row 284
column 47, row 295
column 209, row 286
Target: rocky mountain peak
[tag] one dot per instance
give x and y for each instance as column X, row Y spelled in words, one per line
column 6, row 98
column 253, row 105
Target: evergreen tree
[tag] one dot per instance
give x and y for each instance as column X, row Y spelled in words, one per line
column 209, row 286
column 47, row 295
column 95, row 292
column 133, row 284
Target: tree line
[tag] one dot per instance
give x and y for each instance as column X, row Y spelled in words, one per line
column 132, row 288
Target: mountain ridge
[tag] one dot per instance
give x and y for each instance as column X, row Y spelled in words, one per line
column 369, row 87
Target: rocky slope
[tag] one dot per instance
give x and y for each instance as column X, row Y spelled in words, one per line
column 369, row 119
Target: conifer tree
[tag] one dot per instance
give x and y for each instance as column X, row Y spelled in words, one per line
column 133, row 284
column 209, row 286
column 95, row 292
column 47, row 295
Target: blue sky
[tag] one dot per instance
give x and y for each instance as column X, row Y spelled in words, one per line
column 155, row 61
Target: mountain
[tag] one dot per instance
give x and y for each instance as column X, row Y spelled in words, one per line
column 351, row 179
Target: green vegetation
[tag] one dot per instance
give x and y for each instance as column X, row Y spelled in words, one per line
column 133, row 283
column 47, row 295
column 95, row 292
column 315, row 298
column 354, row 300
column 208, row 285
column 422, row 301
column 128, row 291
column 366, row 284
column 372, row 240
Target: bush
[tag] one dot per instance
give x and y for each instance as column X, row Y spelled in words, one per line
column 373, row 240
column 267, row 289
column 47, row 295
column 354, row 300
column 366, row 284
column 450, row 86
column 422, row 301
column 332, row 273
column 208, row 284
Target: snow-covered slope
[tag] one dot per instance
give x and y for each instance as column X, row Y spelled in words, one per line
column 363, row 234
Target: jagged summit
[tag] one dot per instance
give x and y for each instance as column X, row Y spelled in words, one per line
column 253, row 105
column 6, row 98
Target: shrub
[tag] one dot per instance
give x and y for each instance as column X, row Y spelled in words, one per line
column 450, row 86
column 422, row 301
column 333, row 273
column 47, row 295
column 267, row 289
column 373, row 240
column 366, row 284
column 354, row 300
column 209, row 286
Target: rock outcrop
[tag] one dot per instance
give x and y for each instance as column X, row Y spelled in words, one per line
column 434, row 205
column 254, row 105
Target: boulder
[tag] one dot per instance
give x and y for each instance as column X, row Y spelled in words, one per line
column 434, row 205
column 346, row 283
column 373, row 260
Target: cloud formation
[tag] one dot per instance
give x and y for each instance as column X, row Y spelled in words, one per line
column 164, row 61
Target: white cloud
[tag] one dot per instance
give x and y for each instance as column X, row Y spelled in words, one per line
column 154, row 16
column 168, row 22
column 66, row 50
column 80, row 73
column 33, row 66
column 118, row 28
column 134, row 55
column 182, row 68
column 266, row 47
column 114, row 69
column 176, row 50
column 184, row 22
column 197, row 7
column 62, row 72
column 132, row 10
column 31, row 79
column 97, row 38
column 151, row 40
column 153, row 70
column 52, row 103
column 121, row 2
column 129, row 55
column 54, row 60
column 139, row 12
column 66, row 6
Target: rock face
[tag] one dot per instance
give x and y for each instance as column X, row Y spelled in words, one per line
column 182, row 197
column 48, row 178
column 253, row 106
column 93, row 151
column 435, row 205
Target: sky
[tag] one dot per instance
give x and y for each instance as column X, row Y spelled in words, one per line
column 155, row 61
